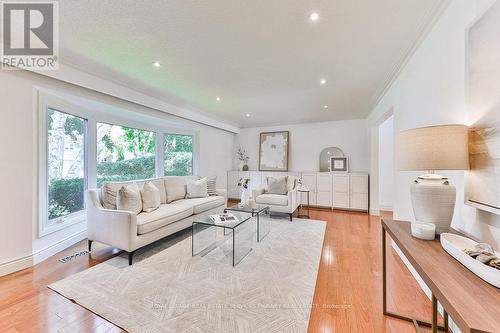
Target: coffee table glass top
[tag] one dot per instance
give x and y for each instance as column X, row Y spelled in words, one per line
column 255, row 208
column 208, row 221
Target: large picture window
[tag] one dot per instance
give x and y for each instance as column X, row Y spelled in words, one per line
column 66, row 174
column 178, row 155
column 124, row 153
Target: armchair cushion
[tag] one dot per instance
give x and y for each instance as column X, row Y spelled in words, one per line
column 164, row 215
column 272, row 199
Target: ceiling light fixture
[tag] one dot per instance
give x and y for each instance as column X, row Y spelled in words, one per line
column 325, row 106
column 322, row 81
column 248, row 115
column 314, row 16
column 156, row 64
column 217, row 99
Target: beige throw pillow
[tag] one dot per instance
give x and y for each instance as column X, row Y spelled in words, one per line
column 129, row 198
column 277, row 185
column 150, row 195
column 175, row 187
column 196, row 188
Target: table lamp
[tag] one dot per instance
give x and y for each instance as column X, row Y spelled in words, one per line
column 432, row 196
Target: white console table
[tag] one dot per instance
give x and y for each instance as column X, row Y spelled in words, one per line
column 327, row 189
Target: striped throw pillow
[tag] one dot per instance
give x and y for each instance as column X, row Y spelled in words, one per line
column 211, row 185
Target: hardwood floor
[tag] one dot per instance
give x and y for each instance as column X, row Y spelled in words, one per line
column 348, row 295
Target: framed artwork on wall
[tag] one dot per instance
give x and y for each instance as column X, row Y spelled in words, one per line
column 273, row 151
column 339, row 164
column 482, row 182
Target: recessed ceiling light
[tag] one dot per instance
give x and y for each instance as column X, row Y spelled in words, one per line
column 248, row 115
column 217, row 99
column 156, row 64
column 322, row 81
column 325, row 106
column 314, row 16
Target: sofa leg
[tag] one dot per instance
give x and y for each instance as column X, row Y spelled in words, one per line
column 130, row 256
column 90, row 245
column 291, row 216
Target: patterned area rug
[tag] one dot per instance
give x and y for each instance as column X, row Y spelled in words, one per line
column 167, row 290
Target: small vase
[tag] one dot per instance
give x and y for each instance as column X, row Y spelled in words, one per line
column 244, row 197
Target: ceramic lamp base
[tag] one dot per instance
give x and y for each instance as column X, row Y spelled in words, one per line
column 433, row 201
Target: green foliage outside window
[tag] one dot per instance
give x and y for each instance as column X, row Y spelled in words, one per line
column 178, row 155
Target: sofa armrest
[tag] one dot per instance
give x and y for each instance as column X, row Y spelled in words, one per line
column 222, row 192
column 258, row 191
column 292, row 199
column 117, row 228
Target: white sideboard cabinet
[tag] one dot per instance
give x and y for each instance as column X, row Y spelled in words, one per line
column 327, row 189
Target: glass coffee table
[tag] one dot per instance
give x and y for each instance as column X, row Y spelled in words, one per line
column 235, row 241
column 263, row 225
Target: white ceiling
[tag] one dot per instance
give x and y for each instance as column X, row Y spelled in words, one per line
column 261, row 57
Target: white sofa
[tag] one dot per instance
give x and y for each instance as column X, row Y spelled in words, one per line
column 279, row 203
column 130, row 231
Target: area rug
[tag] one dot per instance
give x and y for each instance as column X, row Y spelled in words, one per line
column 168, row 290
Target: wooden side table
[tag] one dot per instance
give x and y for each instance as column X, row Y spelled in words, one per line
column 307, row 191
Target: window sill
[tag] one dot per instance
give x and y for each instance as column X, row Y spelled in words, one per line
column 62, row 223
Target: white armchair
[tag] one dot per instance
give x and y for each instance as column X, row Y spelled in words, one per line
column 280, row 203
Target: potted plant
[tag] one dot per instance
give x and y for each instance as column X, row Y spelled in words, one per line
column 243, row 158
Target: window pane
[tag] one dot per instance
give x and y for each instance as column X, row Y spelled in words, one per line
column 65, row 163
column 178, row 155
column 124, row 153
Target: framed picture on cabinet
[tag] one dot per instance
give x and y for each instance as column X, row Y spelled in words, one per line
column 339, row 164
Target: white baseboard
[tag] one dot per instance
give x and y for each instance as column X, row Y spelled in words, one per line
column 385, row 208
column 63, row 244
column 374, row 211
column 35, row 258
column 15, row 265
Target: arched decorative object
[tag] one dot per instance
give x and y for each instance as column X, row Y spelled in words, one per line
column 324, row 157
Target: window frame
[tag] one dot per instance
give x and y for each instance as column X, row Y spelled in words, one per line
column 102, row 113
column 46, row 226
column 131, row 127
column 193, row 138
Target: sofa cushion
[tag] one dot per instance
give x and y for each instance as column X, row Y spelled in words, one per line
column 164, row 215
column 272, row 199
column 291, row 182
column 201, row 205
column 110, row 189
column 277, row 185
column 150, row 197
column 129, row 198
column 196, row 188
column 211, row 185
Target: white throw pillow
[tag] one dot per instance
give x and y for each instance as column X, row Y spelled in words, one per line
column 197, row 188
column 150, row 195
column 277, row 185
column 175, row 187
column 129, row 198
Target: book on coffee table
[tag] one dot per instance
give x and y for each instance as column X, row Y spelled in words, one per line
column 224, row 218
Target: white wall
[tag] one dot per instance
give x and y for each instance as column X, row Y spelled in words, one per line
column 386, row 164
column 20, row 245
column 308, row 140
column 430, row 90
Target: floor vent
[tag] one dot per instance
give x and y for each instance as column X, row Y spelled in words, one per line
column 73, row 256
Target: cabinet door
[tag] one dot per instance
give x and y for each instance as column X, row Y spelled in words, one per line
column 359, row 191
column 340, row 188
column 255, row 180
column 309, row 181
column 324, row 189
column 232, row 184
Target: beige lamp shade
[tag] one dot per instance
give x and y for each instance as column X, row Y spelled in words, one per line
column 434, row 148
